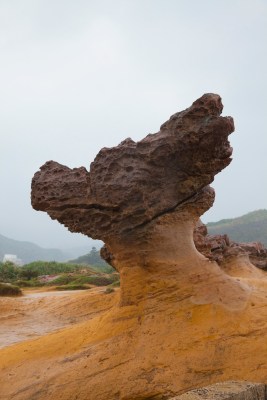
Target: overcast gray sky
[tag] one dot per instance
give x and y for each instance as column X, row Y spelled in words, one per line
column 79, row 75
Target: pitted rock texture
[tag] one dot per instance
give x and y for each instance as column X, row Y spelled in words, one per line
column 179, row 320
column 227, row 391
column 132, row 184
column 221, row 249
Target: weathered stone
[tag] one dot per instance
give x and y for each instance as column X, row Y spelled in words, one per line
column 226, row 391
column 257, row 253
column 185, row 320
column 143, row 199
column 132, row 184
column 220, row 248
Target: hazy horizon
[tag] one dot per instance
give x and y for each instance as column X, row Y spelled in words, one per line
column 79, row 76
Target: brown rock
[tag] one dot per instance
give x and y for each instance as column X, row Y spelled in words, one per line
column 257, row 253
column 226, row 391
column 131, row 188
column 219, row 248
column 182, row 320
column 132, row 184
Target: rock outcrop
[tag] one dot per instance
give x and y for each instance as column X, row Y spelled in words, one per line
column 143, row 199
column 221, row 249
column 227, row 391
column 181, row 319
column 132, row 184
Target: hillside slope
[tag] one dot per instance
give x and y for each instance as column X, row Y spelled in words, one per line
column 92, row 258
column 28, row 251
column 251, row 227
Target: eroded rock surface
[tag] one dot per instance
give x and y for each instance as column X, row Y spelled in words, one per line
column 221, row 249
column 181, row 319
column 132, row 184
column 143, row 199
column 226, row 391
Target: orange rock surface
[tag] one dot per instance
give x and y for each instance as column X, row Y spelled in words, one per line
column 179, row 320
column 192, row 324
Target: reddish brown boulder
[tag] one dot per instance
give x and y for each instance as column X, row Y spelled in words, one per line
column 143, row 200
column 134, row 183
column 185, row 319
column 257, row 253
column 220, row 248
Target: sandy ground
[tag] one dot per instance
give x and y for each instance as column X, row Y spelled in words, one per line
column 39, row 312
column 188, row 330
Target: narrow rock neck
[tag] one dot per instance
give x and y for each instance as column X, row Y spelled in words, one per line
column 157, row 258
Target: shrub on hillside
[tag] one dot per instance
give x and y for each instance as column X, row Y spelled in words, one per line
column 105, row 269
column 100, row 280
column 72, row 287
column 28, row 273
column 29, row 283
column 61, row 280
column 96, row 280
column 83, row 279
column 9, row 290
column 93, row 259
column 51, row 267
column 8, row 272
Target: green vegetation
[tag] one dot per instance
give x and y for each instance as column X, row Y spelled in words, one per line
column 59, row 275
column 63, row 279
column 7, row 289
column 251, row 227
column 109, row 290
column 72, row 287
column 8, row 272
column 30, row 283
column 28, row 273
column 94, row 259
column 80, row 279
column 100, row 280
column 51, row 267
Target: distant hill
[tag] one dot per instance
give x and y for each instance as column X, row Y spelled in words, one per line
column 251, row 227
column 28, row 251
column 93, row 258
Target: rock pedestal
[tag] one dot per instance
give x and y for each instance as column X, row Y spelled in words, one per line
column 143, row 199
column 181, row 319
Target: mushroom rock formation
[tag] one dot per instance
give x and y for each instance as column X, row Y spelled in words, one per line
column 135, row 183
column 143, row 200
column 181, row 319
